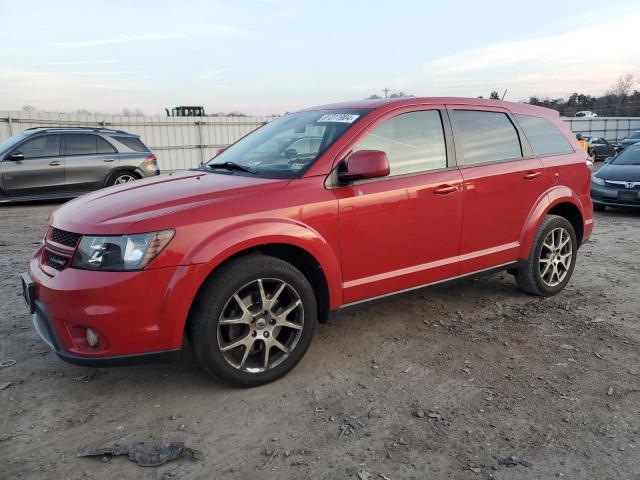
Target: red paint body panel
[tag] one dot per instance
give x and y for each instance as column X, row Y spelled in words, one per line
column 370, row 238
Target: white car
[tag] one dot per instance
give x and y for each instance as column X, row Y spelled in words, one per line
column 586, row 113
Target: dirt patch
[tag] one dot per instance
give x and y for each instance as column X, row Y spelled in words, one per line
column 471, row 380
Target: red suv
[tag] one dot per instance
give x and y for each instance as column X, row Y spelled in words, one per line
column 317, row 210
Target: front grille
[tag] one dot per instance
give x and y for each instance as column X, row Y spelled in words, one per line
column 65, row 238
column 56, row 261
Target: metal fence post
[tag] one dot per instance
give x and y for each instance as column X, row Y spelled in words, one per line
column 200, row 141
column 10, row 125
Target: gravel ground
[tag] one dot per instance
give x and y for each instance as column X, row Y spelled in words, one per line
column 472, row 380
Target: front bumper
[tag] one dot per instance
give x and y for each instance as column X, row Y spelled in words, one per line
column 139, row 316
column 605, row 195
column 42, row 325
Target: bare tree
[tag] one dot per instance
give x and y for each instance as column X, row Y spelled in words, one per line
column 621, row 90
column 29, row 109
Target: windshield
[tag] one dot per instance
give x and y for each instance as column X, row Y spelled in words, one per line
column 12, row 141
column 287, row 146
column 629, row 156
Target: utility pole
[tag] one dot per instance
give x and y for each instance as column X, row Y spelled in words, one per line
column 386, row 92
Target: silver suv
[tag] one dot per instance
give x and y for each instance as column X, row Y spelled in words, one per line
column 47, row 163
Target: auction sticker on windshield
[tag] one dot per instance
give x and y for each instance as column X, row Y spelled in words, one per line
column 338, row 117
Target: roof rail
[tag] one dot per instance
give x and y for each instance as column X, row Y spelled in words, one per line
column 89, row 129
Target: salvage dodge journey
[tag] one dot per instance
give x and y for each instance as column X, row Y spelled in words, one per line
column 318, row 210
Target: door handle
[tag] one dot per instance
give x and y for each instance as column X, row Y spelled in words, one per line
column 108, row 160
column 54, row 163
column 532, row 175
column 445, row 189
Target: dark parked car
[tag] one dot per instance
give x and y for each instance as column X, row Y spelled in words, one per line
column 599, row 148
column 46, row 163
column 617, row 183
column 630, row 140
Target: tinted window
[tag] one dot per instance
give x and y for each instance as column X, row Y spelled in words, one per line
column 103, row 146
column 413, row 142
column 41, row 146
column 133, row 143
column 544, row 137
column 81, row 144
column 486, row 136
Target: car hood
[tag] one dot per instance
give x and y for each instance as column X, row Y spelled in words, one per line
column 626, row 173
column 629, row 141
column 113, row 210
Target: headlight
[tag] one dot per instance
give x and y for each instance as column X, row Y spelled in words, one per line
column 127, row 252
column 597, row 180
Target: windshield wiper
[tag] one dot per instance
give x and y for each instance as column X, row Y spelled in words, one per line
column 231, row 166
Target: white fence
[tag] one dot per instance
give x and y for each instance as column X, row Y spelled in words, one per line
column 185, row 142
column 610, row 128
column 178, row 142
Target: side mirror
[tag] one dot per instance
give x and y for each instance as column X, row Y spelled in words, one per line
column 608, row 159
column 365, row 164
column 15, row 157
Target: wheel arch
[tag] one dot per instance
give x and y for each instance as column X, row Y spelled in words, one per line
column 289, row 241
column 561, row 201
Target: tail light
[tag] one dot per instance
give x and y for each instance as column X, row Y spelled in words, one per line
column 151, row 159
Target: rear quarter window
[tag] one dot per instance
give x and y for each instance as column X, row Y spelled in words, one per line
column 132, row 143
column 486, row 136
column 544, row 137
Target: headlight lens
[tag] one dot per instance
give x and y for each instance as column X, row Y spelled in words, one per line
column 123, row 253
column 597, row 180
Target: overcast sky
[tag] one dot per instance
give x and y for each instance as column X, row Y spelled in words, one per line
column 270, row 56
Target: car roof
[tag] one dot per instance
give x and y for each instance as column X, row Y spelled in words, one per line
column 392, row 103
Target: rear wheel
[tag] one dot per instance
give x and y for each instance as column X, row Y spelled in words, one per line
column 120, row 178
column 552, row 259
column 253, row 321
column 594, row 155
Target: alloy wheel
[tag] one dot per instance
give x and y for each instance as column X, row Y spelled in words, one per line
column 121, row 179
column 555, row 257
column 260, row 325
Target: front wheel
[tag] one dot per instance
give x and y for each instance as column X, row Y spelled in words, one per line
column 252, row 321
column 552, row 259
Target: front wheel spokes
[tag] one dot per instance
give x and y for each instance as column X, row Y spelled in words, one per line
column 260, row 325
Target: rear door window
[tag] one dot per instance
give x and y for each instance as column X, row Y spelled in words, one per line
column 40, row 147
column 82, row 144
column 414, row 142
column 485, row 137
column 544, row 137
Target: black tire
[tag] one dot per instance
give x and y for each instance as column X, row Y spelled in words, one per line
column 599, row 208
column 121, row 177
column 215, row 299
column 594, row 156
column 529, row 277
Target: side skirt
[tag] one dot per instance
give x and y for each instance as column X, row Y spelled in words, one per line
column 498, row 268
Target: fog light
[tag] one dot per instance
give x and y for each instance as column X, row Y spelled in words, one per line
column 92, row 337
